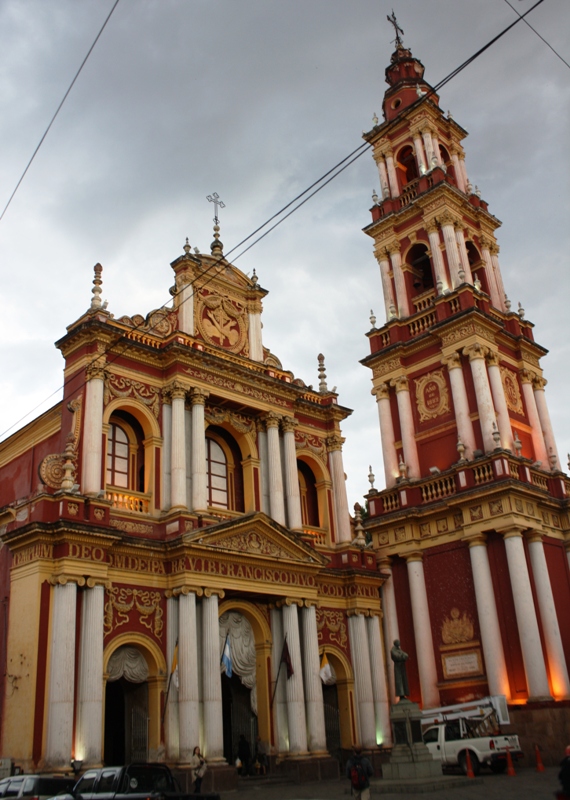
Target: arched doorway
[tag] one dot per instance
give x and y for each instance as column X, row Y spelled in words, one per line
column 239, row 692
column 126, row 707
column 332, row 720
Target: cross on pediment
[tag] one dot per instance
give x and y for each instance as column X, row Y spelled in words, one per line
column 399, row 32
column 215, row 199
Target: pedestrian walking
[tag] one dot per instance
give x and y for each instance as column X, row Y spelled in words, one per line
column 198, row 765
column 359, row 771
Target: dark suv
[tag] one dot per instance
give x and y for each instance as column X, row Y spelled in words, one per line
column 40, row 787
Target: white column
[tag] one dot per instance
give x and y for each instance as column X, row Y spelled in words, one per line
column 390, row 619
column 91, row 472
column 294, row 685
column 538, row 385
column 496, row 299
column 166, row 452
column 379, row 686
column 211, row 681
column 527, row 624
column 172, row 719
column 185, row 298
column 477, row 353
column 494, row 250
column 88, row 742
column 465, row 430
column 407, row 426
column 458, row 171
column 463, row 256
column 500, row 402
column 555, row 651
column 538, row 443
column 451, row 248
column 387, row 290
column 495, row 665
column 61, row 688
column 255, row 339
column 442, row 284
column 314, row 707
column 392, row 177
column 188, row 698
column 362, row 679
column 292, row 491
column 199, row 483
column 280, row 701
column 263, row 466
column 188, row 451
column 422, row 631
column 435, row 143
column 387, row 436
column 334, row 447
column 428, row 144
column 399, row 280
column 464, row 172
column 178, row 449
column 276, row 499
column 420, row 156
column 384, row 187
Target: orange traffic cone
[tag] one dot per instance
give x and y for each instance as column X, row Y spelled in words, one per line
column 470, row 773
column 539, row 764
column 510, row 768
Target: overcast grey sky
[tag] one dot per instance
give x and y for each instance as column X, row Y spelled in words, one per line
column 254, row 100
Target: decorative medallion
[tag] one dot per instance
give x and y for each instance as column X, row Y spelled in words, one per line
column 529, row 508
column 519, row 505
column 131, row 527
column 512, row 391
column 124, row 600
column 457, row 628
column 118, row 386
column 432, row 397
column 476, row 513
column 458, row 520
column 251, row 542
column 51, row 467
column 238, row 421
column 556, row 520
column 495, row 507
column 425, row 530
column 546, row 517
column 400, row 534
column 442, row 525
column 383, row 538
column 221, row 321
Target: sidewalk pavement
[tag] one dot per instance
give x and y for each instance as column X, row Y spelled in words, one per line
column 527, row 784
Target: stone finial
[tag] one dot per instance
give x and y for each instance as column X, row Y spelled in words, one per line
column 469, row 187
column 360, row 539
column 322, row 374
column 96, row 290
column 517, row 444
column 478, row 191
column 461, row 450
column 449, row 116
column 393, row 314
column 371, row 477
column 187, row 247
column 372, row 319
column 403, row 467
column 374, row 197
column 508, row 303
column 520, row 312
column 439, row 286
column 375, row 119
column 461, row 273
column 552, row 458
column 477, row 284
column 419, row 91
column 568, row 456
column 496, row 437
column 254, row 277
column 197, row 251
column 68, row 469
column 385, row 191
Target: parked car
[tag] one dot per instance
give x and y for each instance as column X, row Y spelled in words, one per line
column 41, row 787
column 10, row 787
column 133, row 782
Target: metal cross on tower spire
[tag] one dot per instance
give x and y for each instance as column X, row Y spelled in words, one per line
column 215, row 199
column 399, row 32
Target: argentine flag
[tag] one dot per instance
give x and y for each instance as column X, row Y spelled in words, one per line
column 227, row 658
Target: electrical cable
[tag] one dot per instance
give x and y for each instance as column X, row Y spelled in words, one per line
column 320, row 183
column 539, row 35
column 34, row 154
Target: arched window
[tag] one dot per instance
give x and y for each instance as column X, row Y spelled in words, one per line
column 224, row 470
column 407, row 165
column 217, row 474
column 117, row 457
column 309, row 501
column 477, row 266
column 420, row 263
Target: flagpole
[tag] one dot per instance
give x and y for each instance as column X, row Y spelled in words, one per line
column 169, row 684
column 278, row 671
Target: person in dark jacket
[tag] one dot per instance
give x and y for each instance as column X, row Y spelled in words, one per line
column 244, row 754
column 564, row 774
column 358, row 763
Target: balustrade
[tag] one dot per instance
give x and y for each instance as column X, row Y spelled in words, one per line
column 483, row 473
column 422, row 323
column 129, row 501
column 436, row 490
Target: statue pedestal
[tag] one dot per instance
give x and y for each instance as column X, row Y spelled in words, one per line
column 410, row 757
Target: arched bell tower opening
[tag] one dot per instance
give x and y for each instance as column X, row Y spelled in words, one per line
column 422, row 273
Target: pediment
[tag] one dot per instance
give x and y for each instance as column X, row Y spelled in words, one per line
column 258, row 536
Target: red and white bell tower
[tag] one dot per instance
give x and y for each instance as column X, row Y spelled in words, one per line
column 472, row 526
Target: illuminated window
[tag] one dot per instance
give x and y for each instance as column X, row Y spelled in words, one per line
column 117, row 457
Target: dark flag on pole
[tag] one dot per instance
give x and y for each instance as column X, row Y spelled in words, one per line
column 286, row 659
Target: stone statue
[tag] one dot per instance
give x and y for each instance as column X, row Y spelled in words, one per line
column 400, row 677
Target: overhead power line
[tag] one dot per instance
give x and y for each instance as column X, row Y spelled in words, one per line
column 58, row 109
column 292, row 206
column 556, row 53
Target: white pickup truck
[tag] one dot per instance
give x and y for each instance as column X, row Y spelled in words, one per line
column 448, row 741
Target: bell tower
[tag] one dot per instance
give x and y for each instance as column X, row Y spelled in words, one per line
column 472, row 525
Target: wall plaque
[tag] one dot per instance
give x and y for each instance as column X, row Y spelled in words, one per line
column 462, row 664
column 432, row 397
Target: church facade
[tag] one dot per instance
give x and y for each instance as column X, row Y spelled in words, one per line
column 472, row 529
column 187, row 492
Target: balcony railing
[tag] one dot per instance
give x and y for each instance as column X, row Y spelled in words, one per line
column 128, row 501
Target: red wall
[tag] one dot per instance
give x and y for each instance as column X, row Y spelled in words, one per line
column 406, row 625
column 557, row 563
